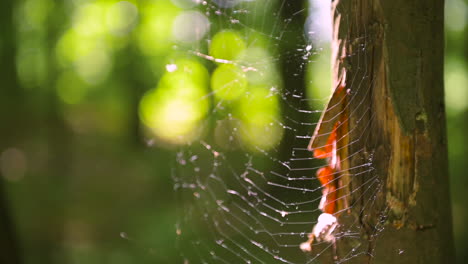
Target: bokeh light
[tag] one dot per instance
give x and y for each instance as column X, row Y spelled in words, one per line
column 31, row 18
column 31, row 64
column 456, row 84
column 261, row 65
column 121, row 18
column 175, row 108
column 155, row 31
column 70, row 88
column 190, row 26
column 456, row 15
column 33, row 14
column 228, row 82
column 86, row 46
column 259, row 112
column 13, row 164
column 89, row 19
column 227, row 45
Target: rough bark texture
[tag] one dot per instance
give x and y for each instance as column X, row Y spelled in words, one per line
column 391, row 56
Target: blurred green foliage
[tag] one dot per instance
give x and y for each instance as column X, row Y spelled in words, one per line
column 227, row 45
column 456, row 102
column 97, row 80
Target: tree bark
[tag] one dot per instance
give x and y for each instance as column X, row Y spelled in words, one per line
column 394, row 171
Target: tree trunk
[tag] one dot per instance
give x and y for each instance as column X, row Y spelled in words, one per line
column 11, row 110
column 394, row 171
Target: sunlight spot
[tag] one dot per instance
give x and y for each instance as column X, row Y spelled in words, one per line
column 94, row 67
column 154, row 33
column 318, row 23
column 227, row 45
column 456, row 83
column 174, row 109
column 121, row 18
column 228, row 82
column 186, row 3
column 263, row 136
column 88, row 20
column 171, row 67
column 259, row 113
column 262, row 62
column 456, row 15
column 259, row 107
column 190, row 26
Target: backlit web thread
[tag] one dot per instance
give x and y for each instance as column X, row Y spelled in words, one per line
column 251, row 206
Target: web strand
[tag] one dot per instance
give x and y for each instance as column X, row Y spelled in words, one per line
column 243, row 204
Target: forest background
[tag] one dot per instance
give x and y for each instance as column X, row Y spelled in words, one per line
column 83, row 179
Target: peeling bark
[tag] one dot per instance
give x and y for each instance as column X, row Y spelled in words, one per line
column 391, row 53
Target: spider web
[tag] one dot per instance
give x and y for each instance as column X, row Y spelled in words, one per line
column 242, row 200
